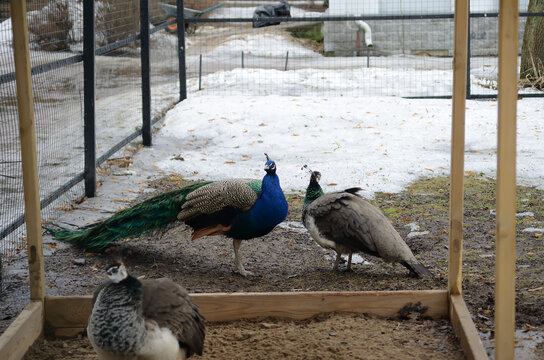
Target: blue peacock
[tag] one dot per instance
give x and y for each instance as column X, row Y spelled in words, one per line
column 237, row 208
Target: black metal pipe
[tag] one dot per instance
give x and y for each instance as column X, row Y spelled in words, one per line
column 146, row 81
column 195, row 20
column 89, row 98
column 181, row 51
column 467, row 95
column 40, row 69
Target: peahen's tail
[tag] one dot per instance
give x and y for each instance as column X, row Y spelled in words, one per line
column 149, row 215
column 417, row 268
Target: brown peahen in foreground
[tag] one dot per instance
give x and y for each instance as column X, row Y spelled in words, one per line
column 239, row 209
column 345, row 222
column 153, row 319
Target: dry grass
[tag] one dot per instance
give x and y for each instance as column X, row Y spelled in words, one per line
column 535, row 77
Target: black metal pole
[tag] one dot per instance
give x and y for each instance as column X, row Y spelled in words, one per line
column 146, row 84
column 89, row 98
column 200, row 73
column 468, row 56
column 181, row 51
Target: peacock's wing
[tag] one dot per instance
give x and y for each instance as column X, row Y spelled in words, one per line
column 170, row 306
column 239, row 194
column 339, row 218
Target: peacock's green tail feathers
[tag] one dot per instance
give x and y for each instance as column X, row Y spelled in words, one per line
column 148, row 215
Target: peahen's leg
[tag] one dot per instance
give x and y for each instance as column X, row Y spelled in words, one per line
column 238, row 259
column 337, row 261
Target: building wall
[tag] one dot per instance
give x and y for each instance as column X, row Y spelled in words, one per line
column 429, row 36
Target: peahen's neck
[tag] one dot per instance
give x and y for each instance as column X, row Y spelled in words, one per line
column 313, row 191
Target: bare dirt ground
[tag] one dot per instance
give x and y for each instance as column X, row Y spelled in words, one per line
column 287, row 259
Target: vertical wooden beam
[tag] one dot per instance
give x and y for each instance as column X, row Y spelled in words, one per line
column 455, row 262
column 27, row 129
column 505, row 264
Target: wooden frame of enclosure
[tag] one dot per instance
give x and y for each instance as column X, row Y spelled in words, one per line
column 67, row 315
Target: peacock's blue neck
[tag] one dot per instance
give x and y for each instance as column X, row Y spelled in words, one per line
column 269, row 210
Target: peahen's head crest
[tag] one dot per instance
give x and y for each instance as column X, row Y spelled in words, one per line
column 314, row 190
column 117, row 272
column 316, row 176
column 269, row 166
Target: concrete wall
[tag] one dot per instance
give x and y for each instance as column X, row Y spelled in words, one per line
column 431, row 37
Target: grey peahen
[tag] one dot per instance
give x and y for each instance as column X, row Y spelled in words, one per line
column 144, row 319
column 239, row 209
column 345, row 222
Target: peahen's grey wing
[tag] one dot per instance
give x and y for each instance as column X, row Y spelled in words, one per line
column 170, row 306
column 353, row 221
column 236, row 193
column 337, row 220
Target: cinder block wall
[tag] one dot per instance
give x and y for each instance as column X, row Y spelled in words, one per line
column 430, row 36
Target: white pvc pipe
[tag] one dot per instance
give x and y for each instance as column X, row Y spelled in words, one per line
column 361, row 25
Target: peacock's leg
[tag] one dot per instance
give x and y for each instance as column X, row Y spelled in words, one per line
column 348, row 268
column 238, row 259
column 337, row 261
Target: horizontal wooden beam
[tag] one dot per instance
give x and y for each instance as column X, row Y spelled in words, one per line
column 465, row 329
column 22, row 332
column 67, row 315
column 303, row 305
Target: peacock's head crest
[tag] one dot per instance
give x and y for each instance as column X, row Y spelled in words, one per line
column 269, row 166
column 117, row 272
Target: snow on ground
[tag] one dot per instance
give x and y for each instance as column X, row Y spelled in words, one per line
column 276, row 46
column 379, row 143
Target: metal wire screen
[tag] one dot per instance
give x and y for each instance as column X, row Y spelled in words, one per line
column 388, row 47
column 56, row 43
column 402, row 48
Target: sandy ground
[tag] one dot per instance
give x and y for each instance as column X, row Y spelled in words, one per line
column 332, row 336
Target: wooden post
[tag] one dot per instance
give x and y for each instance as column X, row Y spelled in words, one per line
column 505, row 244
column 455, row 262
column 27, row 130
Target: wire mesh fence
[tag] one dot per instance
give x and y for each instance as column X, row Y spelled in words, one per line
column 56, row 46
column 387, row 48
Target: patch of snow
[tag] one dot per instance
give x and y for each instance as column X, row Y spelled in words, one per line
column 415, row 234
column 533, row 230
